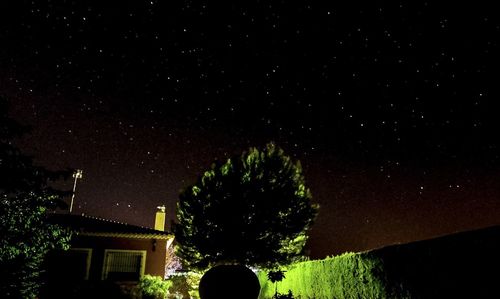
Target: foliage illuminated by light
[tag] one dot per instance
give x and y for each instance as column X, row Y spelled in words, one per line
column 253, row 209
column 25, row 199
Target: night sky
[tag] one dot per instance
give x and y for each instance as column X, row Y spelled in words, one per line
column 392, row 108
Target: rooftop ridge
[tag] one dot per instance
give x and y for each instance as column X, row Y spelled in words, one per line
column 99, row 225
column 112, row 221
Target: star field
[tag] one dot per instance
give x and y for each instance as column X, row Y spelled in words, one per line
column 391, row 107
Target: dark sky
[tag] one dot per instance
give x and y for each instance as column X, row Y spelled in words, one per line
column 392, row 107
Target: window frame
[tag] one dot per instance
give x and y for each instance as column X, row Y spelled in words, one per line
column 143, row 253
column 87, row 262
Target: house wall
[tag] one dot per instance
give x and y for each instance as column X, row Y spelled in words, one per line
column 155, row 252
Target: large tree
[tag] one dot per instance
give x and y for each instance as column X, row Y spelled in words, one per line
column 253, row 209
column 25, row 198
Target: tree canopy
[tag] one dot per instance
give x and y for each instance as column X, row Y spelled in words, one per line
column 253, row 209
column 25, row 198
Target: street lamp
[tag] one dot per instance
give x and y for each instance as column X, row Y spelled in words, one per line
column 77, row 175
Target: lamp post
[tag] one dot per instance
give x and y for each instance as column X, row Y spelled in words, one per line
column 77, row 175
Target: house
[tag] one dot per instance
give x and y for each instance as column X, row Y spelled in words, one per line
column 106, row 250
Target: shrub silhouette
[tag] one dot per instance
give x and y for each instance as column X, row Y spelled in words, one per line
column 229, row 281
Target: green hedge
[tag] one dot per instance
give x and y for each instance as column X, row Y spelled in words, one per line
column 350, row 275
column 453, row 266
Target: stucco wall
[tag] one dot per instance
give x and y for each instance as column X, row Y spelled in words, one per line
column 155, row 252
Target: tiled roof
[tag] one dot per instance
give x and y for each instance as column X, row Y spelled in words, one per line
column 94, row 226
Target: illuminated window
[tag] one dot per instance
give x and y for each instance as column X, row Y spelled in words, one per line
column 123, row 265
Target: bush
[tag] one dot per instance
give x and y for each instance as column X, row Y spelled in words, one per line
column 154, row 286
column 184, row 286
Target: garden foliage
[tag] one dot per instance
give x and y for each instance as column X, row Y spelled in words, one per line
column 25, row 199
column 154, row 286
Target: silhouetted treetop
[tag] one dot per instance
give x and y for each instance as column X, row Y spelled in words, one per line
column 253, row 209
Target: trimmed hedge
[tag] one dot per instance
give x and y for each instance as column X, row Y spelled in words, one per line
column 453, row 266
column 350, row 275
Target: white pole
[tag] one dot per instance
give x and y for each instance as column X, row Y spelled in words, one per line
column 77, row 175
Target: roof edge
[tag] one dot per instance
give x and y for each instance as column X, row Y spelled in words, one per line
column 127, row 235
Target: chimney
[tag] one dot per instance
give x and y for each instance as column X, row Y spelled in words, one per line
column 160, row 218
